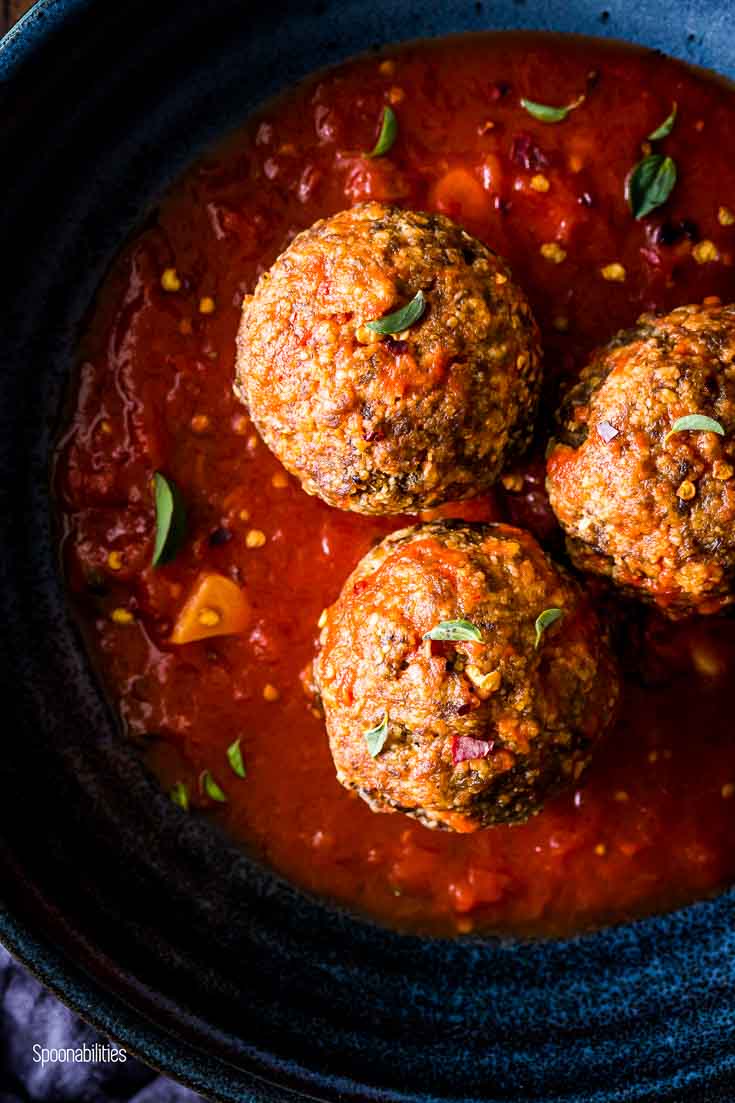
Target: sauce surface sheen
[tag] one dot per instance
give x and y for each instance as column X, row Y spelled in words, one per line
column 652, row 826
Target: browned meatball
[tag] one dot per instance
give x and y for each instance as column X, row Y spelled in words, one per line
column 462, row 734
column 652, row 507
column 389, row 423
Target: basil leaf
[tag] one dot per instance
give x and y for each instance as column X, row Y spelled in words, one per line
column 693, row 422
column 547, row 114
column 210, row 788
column 454, row 630
column 544, row 620
column 400, row 319
column 170, row 520
column 666, row 126
column 180, row 795
column 388, row 134
column 235, row 759
column 650, row 184
column 376, row 737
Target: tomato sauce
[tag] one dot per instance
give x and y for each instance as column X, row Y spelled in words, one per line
column 652, row 825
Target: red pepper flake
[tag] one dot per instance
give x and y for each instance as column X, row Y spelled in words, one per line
column 398, row 348
column 527, row 154
column 651, row 256
column 464, row 748
column 607, row 431
column 373, row 433
column 498, row 90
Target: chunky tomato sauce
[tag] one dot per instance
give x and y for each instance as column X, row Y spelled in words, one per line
column 653, row 824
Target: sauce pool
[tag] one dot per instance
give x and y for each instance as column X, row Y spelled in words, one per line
column 653, row 823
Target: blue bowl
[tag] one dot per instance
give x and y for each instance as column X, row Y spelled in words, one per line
column 152, row 926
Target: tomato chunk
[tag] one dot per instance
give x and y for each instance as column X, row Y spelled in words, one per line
column 216, row 606
column 461, row 196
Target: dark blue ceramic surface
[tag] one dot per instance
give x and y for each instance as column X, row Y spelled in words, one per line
column 147, row 922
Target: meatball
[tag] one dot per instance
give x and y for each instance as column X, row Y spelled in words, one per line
column 462, row 733
column 643, row 499
column 395, row 422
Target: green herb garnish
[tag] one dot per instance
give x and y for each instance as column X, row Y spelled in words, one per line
column 400, row 319
column 650, row 184
column 170, row 520
column 235, row 759
column 666, row 127
column 210, row 788
column 388, row 134
column 376, row 737
column 544, row 620
column 180, row 795
column 694, row 422
column 454, row 630
column 547, row 114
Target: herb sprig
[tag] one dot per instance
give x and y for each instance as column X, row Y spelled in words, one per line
column 693, row 423
column 650, row 184
column 376, row 737
column 545, row 620
column 666, row 126
column 454, row 630
column 548, row 114
column 235, row 759
column 180, row 795
column 170, row 520
column 210, row 788
column 388, row 134
column 652, row 180
column 400, row 319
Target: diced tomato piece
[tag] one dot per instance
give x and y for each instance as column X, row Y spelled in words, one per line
column 461, row 196
column 216, row 606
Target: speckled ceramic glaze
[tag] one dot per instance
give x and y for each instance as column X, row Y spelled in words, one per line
column 152, row 926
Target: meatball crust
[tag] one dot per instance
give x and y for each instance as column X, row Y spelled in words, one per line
column 478, row 732
column 654, row 509
column 389, row 424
